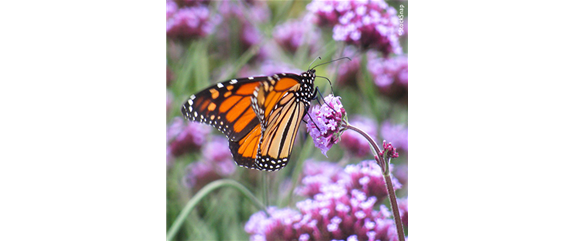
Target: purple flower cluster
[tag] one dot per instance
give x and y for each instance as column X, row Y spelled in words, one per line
column 318, row 174
column 354, row 142
column 390, row 75
column 326, row 123
column 216, row 163
column 336, row 212
column 397, row 133
column 365, row 176
column 367, row 24
column 185, row 136
column 347, row 70
column 268, row 68
column 242, row 21
column 293, row 34
column 189, row 22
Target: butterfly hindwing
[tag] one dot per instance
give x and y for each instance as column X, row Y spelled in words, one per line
column 245, row 150
column 225, row 106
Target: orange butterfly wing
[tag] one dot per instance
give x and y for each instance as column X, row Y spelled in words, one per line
column 259, row 115
column 280, row 113
column 225, row 106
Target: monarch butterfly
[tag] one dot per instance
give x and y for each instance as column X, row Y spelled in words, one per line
column 259, row 115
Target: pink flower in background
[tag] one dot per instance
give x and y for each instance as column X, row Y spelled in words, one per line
column 367, row 177
column 366, row 24
column 354, row 142
column 217, row 151
column 216, row 163
column 185, row 136
column 335, row 213
column 397, row 134
column 317, row 174
column 326, row 123
column 347, row 71
column 243, row 21
column 270, row 67
column 170, row 8
column 199, row 174
column 191, row 22
column 294, row 33
column 390, row 75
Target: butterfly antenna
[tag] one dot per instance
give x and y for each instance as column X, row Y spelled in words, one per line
column 331, row 61
column 331, row 84
column 318, row 57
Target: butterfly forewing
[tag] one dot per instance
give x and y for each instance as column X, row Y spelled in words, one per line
column 225, row 106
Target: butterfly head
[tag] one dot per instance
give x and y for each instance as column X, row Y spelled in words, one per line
column 306, row 93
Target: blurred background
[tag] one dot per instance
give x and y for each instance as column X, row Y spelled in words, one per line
column 213, row 41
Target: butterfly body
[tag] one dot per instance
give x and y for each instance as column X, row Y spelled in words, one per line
column 259, row 115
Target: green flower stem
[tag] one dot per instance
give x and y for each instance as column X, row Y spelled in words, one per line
column 384, row 164
column 203, row 193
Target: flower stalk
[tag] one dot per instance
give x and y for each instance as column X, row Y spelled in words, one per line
column 384, row 164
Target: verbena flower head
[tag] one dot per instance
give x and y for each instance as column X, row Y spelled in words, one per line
column 185, row 136
column 367, row 177
column 367, row 24
column 216, row 162
column 398, row 134
column 191, row 22
column 390, row 150
column 326, row 123
column 347, row 71
column 241, row 23
column 317, row 174
column 170, row 8
column 354, row 142
column 199, row 174
column 390, row 75
column 217, row 152
column 332, row 214
column 339, row 210
column 295, row 33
